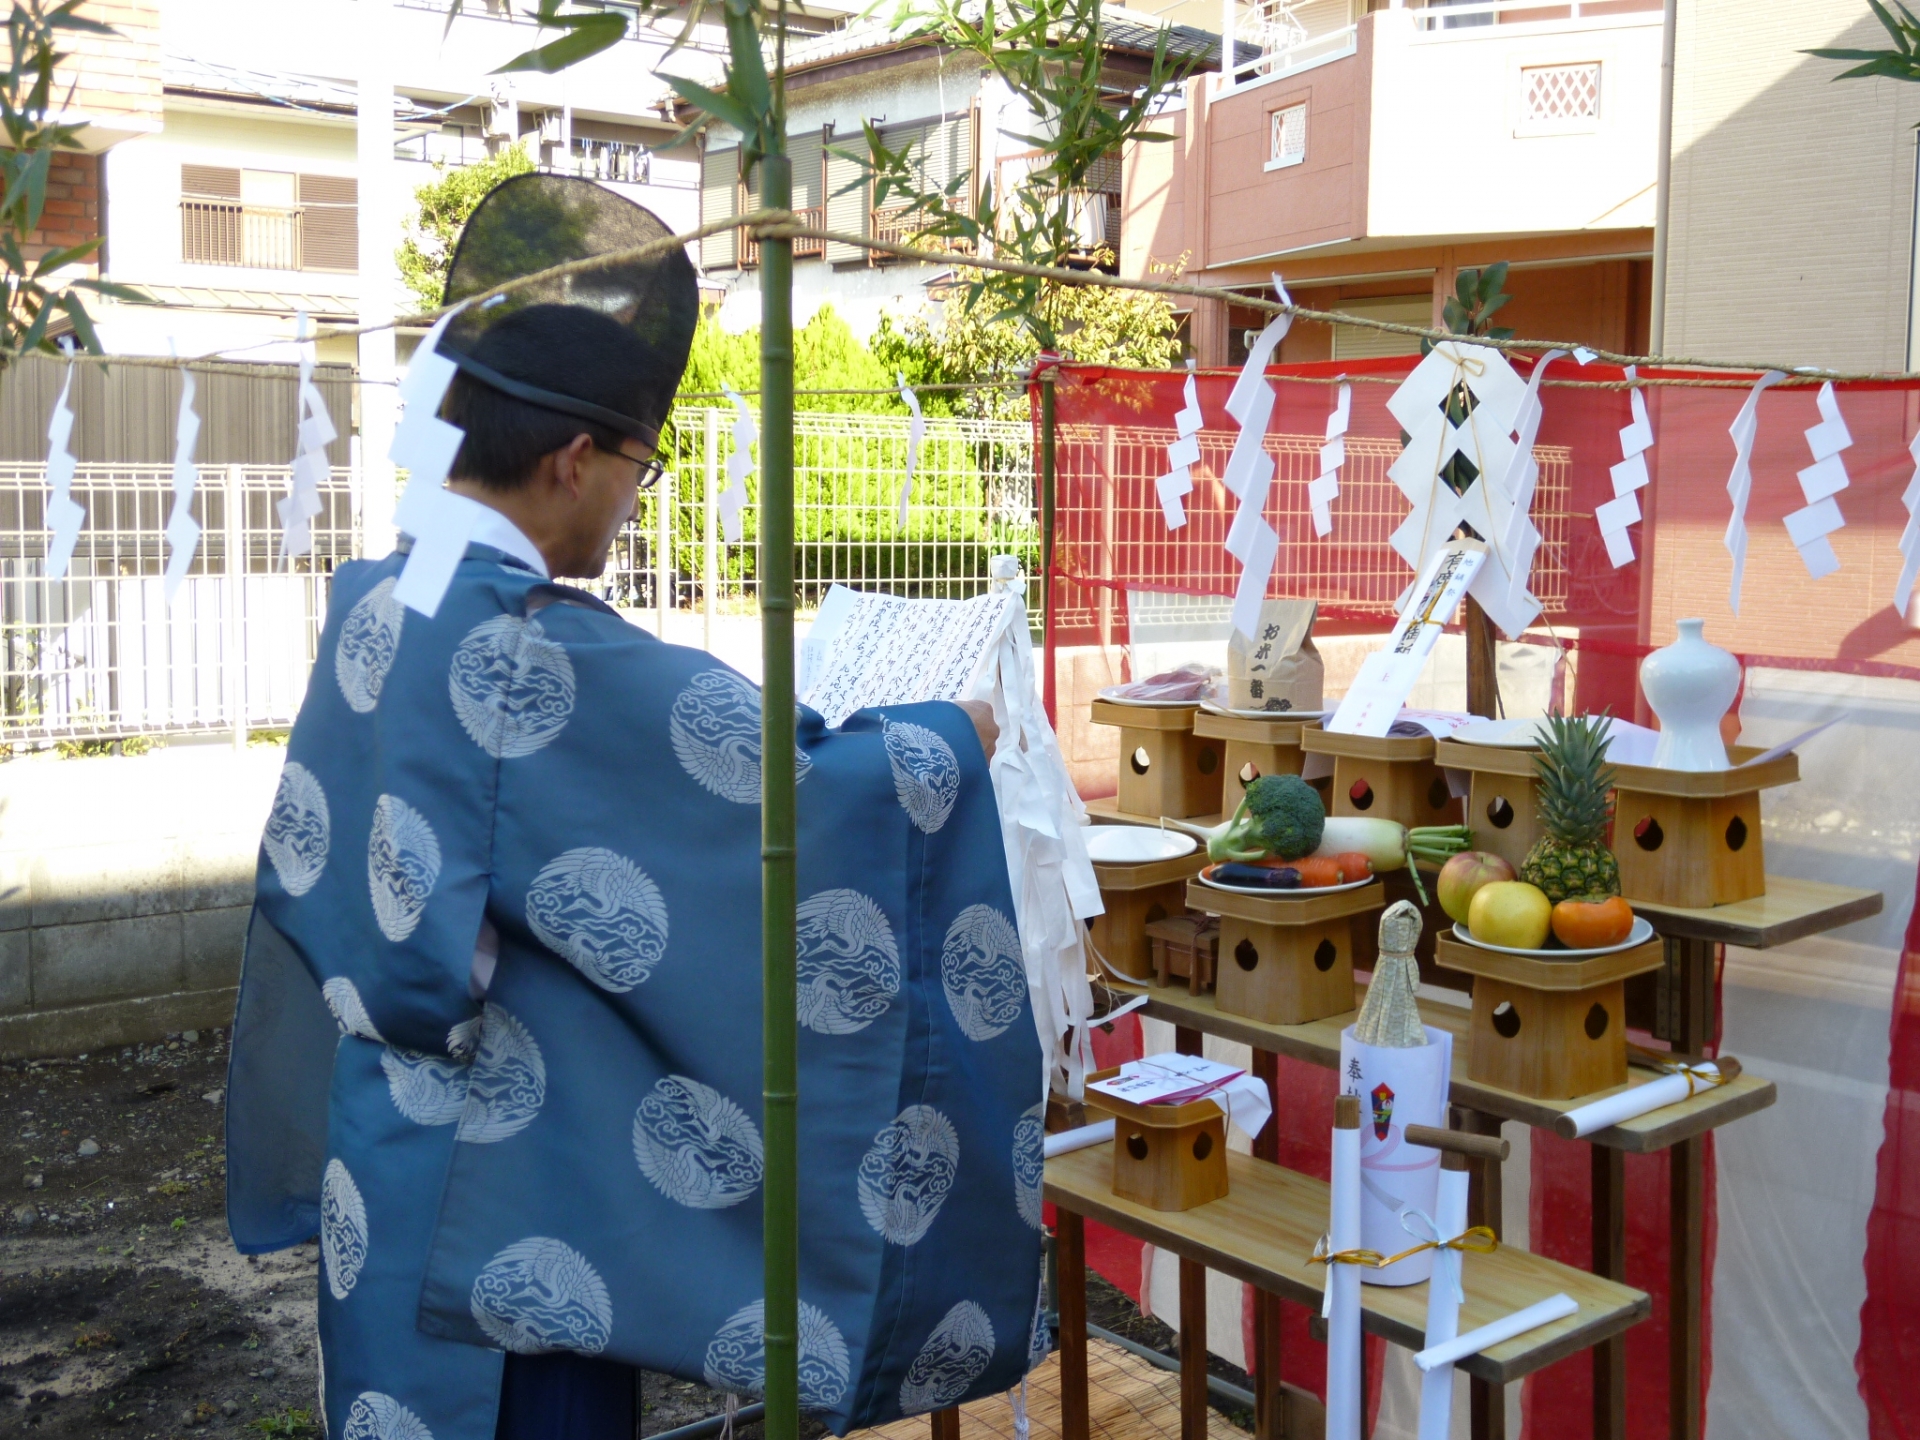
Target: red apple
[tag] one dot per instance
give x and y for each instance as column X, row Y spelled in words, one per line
column 1465, row 873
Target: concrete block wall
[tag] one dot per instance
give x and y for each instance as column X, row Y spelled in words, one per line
column 125, row 884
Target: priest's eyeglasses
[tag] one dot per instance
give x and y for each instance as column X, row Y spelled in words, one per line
column 647, row 472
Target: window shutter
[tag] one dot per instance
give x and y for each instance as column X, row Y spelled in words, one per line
column 329, row 222
column 804, row 152
column 211, row 181
column 846, row 199
column 209, row 215
column 719, row 179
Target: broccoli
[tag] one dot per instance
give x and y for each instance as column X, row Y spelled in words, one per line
column 1280, row 816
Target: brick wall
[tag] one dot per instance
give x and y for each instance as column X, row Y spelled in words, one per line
column 72, row 214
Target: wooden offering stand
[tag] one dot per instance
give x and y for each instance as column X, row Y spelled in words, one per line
column 1285, row 961
column 1691, row 838
column 1255, row 747
column 1166, row 1157
column 1185, row 947
column 1136, row 896
column 1503, row 806
column 1390, row 777
column 1165, row 769
column 1551, row 1029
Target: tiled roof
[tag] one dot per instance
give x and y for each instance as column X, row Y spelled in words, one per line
column 192, row 75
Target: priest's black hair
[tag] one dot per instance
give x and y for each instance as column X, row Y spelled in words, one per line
column 565, row 348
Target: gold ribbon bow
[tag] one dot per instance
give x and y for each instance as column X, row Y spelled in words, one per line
column 1697, row 1077
column 1480, row 1240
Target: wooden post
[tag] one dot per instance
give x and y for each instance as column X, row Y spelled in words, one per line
column 1609, row 1262
column 1193, row 1350
column 1487, row 1402
column 1270, row 1413
column 946, row 1423
column 1690, row 1031
column 1483, row 675
column 1070, row 1248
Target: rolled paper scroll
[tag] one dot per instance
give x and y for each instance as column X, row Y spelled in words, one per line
column 1065, row 1142
column 1683, row 1083
column 1443, row 1299
column 1498, row 1332
column 1342, row 1309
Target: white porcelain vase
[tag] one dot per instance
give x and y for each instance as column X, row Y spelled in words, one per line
column 1690, row 685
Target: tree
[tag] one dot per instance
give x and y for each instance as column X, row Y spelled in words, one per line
column 445, row 202
column 827, row 355
column 33, row 293
column 966, row 342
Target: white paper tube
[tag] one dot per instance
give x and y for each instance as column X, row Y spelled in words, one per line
column 1343, row 1324
column 1556, row 1307
column 1397, row 1088
column 1639, row 1100
column 1064, row 1142
column 1443, row 1307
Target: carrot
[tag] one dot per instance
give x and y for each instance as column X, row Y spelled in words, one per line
column 1354, row 865
column 1318, row 870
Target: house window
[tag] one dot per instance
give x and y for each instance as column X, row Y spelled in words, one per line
column 1287, row 143
column 1559, row 97
column 268, row 219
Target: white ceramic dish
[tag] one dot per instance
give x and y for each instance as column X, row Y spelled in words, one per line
column 1113, row 699
column 1213, row 709
column 1136, row 844
column 1639, row 935
column 1300, row 894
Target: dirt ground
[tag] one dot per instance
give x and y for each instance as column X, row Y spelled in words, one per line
column 124, row 1309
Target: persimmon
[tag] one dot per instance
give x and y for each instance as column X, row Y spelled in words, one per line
column 1592, row 923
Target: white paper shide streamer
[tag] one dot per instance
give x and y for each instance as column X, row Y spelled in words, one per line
column 183, row 531
column 65, row 515
column 1250, row 471
column 1496, row 503
column 916, row 435
column 1820, row 482
column 310, row 466
column 1174, row 486
column 1910, row 537
column 1324, row 489
column 733, row 499
column 1629, row 479
column 424, row 445
column 1744, row 429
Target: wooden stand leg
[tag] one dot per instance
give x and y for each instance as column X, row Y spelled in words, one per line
column 1609, row 1262
column 1070, row 1245
column 946, row 1423
column 1187, row 1041
column 1271, row 1420
column 1487, row 1401
column 1193, row 1350
column 1692, row 1031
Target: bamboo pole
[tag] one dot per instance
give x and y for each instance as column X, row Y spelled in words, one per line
column 1048, row 682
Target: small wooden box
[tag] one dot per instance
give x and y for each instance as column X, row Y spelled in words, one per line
column 1390, row 777
column 1185, row 947
column 1551, row 1029
column 1165, row 769
column 1254, row 748
column 1136, row 896
column 1167, row 1157
column 1282, row 961
column 1503, row 806
column 1691, row 838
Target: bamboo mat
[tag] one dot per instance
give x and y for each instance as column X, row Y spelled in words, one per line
column 1128, row 1399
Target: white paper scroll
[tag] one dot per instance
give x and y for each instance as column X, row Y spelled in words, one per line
column 1250, row 471
column 1444, row 1298
column 1387, row 676
column 1174, row 486
column 1342, row 1305
column 1497, row 1332
column 916, row 435
column 1396, row 1088
column 1820, row 482
column 1484, row 437
column 1629, row 478
column 1910, row 537
column 1324, row 488
column 1640, row 1100
column 183, row 531
column 733, row 499
column 310, row 467
column 1065, row 1142
column 424, row 445
column 65, row 515
column 1745, row 426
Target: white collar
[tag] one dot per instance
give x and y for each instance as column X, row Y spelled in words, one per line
column 490, row 527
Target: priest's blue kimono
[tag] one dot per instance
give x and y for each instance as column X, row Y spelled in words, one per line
column 526, row 799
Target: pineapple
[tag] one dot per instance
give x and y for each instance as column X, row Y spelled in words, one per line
column 1572, row 861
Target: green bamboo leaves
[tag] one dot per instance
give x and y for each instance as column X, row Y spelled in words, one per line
column 1902, row 62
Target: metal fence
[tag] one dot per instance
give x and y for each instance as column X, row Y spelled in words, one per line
column 101, row 654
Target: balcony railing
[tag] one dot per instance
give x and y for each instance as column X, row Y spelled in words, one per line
column 1442, row 15
column 814, row 216
column 227, row 232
